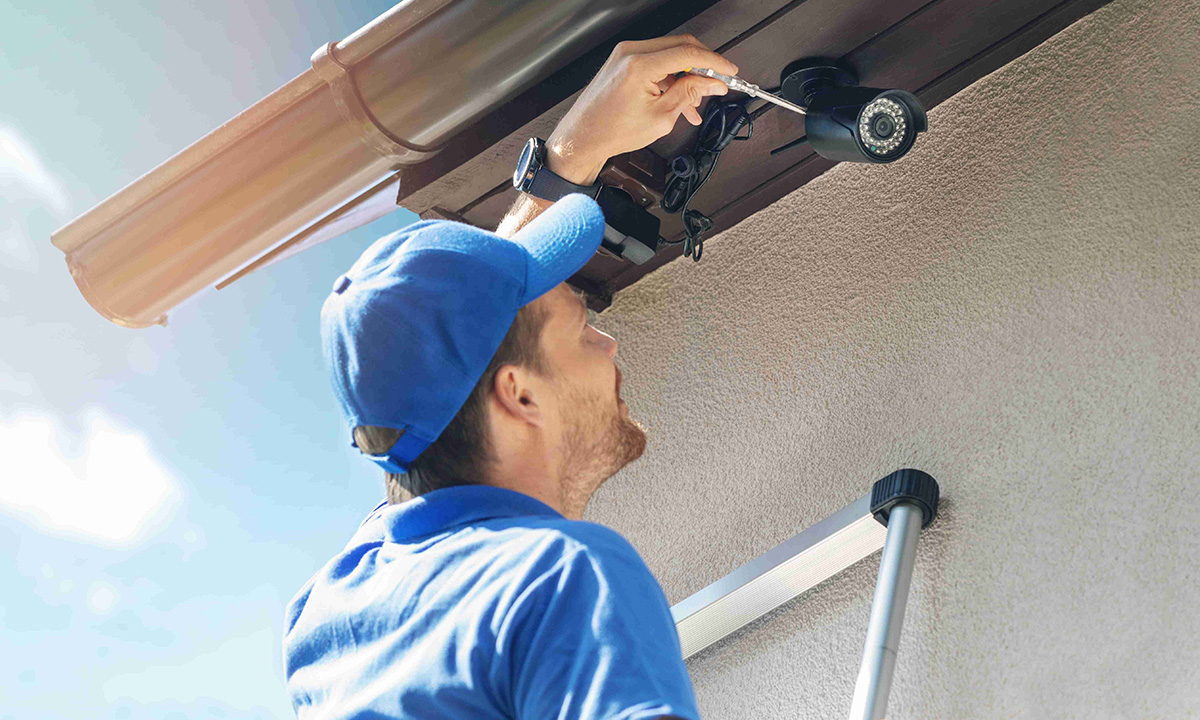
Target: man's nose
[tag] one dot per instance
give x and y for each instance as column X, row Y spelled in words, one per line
column 610, row 343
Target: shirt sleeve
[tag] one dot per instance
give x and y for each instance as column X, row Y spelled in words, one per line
column 593, row 639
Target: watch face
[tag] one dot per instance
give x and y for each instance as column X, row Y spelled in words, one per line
column 524, row 165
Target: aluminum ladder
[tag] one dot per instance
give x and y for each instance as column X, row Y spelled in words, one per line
column 891, row 516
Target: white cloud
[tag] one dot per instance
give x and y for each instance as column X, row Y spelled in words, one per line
column 25, row 185
column 113, row 495
column 22, row 169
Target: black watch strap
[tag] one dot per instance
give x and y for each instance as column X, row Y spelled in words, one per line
column 542, row 183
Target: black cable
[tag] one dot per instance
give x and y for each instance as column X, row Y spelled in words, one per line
column 723, row 123
column 792, row 144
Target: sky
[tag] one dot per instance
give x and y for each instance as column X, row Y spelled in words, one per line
column 164, row 492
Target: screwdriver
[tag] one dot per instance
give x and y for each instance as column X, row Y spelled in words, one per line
column 736, row 83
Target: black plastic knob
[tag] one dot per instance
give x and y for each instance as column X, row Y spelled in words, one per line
column 907, row 485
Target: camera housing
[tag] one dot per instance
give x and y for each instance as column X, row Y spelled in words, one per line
column 849, row 123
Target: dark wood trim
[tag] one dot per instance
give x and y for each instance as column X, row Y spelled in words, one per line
column 544, row 95
column 933, row 93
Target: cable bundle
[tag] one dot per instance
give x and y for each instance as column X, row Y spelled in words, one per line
column 722, row 124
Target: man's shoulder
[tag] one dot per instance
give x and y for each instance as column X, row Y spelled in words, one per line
column 554, row 553
column 562, row 537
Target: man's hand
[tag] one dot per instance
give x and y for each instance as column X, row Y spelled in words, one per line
column 634, row 100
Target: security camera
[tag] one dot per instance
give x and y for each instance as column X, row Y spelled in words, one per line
column 849, row 123
column 858, row 124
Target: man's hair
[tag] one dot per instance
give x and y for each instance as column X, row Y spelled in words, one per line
column 462, row 453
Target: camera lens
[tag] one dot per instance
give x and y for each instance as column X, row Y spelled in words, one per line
column 882, row 126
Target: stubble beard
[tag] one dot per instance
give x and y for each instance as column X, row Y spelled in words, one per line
column 597, row 443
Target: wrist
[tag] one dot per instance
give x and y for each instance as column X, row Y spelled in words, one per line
column 568, row 160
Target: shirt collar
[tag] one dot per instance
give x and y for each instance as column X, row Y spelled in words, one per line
column 453, row 506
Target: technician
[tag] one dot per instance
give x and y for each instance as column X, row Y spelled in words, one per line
column 468, row 370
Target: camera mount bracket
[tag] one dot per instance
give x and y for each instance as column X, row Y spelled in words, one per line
column 802, row 79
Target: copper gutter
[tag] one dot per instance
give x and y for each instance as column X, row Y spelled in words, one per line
column 383, row 98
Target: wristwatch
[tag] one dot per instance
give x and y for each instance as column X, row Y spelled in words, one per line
column 533, row 177
column 629, row 231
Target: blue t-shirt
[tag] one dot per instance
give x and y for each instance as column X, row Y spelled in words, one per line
column 479, row 602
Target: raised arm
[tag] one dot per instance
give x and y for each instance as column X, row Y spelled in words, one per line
column 634, row 100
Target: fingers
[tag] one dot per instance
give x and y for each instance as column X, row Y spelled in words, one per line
column 679, row 58
column 688, row 92
column 708, row 85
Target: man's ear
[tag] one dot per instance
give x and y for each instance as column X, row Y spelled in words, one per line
column 518, row 395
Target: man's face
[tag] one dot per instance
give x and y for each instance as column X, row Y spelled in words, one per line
column 598, row 437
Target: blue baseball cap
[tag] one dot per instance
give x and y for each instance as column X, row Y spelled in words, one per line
column 409, row 329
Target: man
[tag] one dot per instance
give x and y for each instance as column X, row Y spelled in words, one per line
column 467, row 369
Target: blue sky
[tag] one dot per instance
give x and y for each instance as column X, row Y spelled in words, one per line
column 165, row 491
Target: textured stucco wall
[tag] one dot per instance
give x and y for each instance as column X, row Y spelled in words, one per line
column 1014, row 308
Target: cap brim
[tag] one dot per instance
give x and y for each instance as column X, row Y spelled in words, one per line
column 559, row 242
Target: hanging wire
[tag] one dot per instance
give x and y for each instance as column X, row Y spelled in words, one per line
column 723, row 123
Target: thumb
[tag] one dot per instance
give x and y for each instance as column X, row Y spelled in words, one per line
column 689, row 91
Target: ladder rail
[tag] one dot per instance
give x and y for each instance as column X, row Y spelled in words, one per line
column 777, row 576
column 890, row 517
column 887, row 614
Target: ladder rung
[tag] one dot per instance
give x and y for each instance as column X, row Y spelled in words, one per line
column 778, row 575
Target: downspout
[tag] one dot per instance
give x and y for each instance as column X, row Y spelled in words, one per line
column 387, row 96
